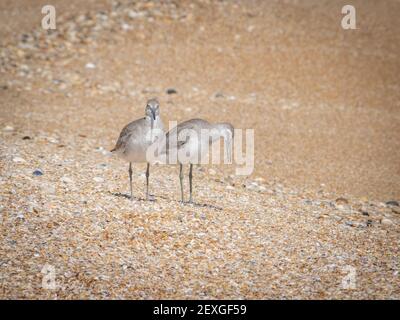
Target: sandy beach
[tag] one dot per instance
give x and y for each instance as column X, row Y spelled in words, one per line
column 320, row 207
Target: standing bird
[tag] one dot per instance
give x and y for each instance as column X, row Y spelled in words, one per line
column 189, row 143
column 137, row 136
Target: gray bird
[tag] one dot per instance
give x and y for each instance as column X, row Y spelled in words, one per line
column 194, row 145
column 137, row 136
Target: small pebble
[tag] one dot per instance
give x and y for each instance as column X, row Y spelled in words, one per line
column 37, row 172
column 65, row 179
column 250, row 28
column 134, row 14
column 386, row 222
column 126, row 27
column 171, row 91
column 342, row 200
column 396, row 210
column 18, row 159
column 98, row 179
column 90, row 66
column 252, row 186
column 8, row 128
column 52, row 140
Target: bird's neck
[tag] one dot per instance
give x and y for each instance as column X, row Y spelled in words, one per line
column 225, row 131
column 150, row 119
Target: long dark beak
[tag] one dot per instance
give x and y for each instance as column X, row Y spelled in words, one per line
column 153, row 114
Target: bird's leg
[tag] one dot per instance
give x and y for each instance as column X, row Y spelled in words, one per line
column 190, row 182
column 147, row 181
column 130, row 178
column 181, row 179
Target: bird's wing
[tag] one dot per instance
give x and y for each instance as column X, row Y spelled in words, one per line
column 128, row 132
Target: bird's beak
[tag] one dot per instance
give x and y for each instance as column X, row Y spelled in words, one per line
column 153, row 114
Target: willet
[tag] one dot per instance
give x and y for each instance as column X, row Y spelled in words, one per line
column 199, row 135
column 137, row 136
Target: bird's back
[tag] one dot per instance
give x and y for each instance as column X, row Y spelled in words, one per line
column 193, row 124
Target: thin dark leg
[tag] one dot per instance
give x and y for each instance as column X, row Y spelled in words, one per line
column 181, row 179
column 190, row 182
column 147, row 180
column 130, row 178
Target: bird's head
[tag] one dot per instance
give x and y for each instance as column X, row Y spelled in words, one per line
column 227, row 131
column 152, row 109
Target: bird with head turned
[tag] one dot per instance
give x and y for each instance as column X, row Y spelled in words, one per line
column 189, row 142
